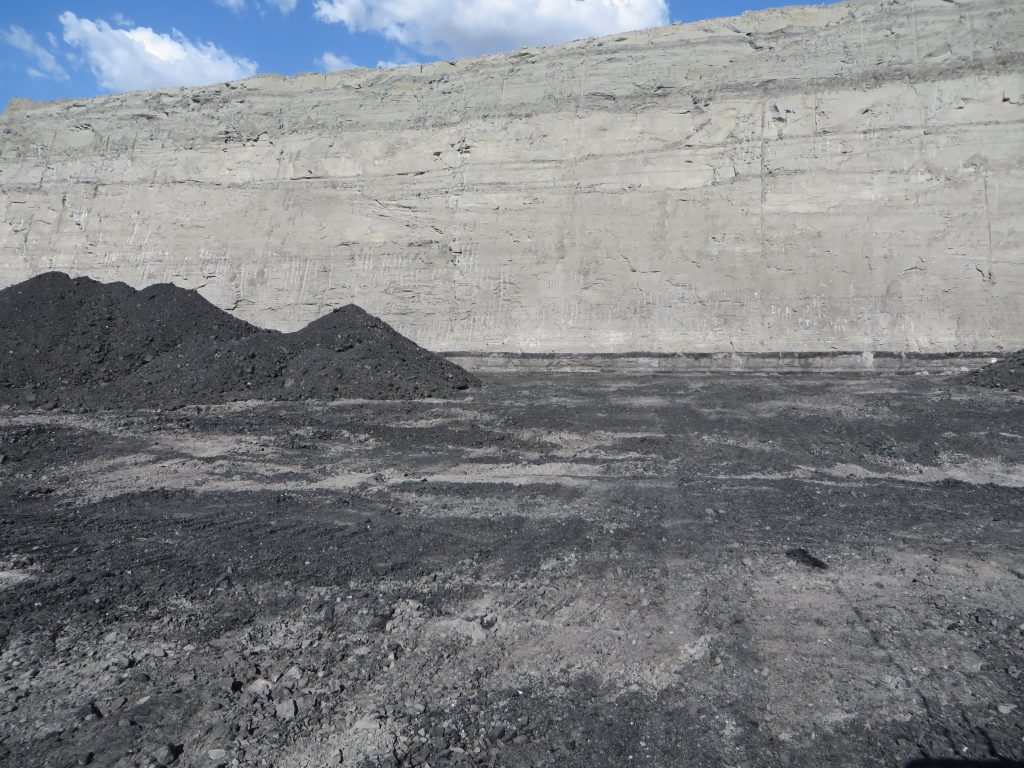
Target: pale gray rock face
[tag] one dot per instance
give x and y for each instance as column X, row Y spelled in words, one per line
column 842, row 177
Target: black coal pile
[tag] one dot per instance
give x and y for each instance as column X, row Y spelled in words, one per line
column 1007, row 374
column 83, row 344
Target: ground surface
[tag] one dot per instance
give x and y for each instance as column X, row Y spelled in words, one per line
column 578, row 570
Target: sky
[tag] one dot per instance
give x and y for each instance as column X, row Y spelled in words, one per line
column 55, row 49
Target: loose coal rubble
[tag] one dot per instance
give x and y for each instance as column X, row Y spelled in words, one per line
column 564, row 571
column 78, row 343
column 1006, row 374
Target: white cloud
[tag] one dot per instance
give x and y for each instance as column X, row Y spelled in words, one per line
column 401, row 60
column 284, row 6
column 467, row 27
column 133, row 59
column 44, row 64
column 51, row 39
column 120, row 20
column 329, row 62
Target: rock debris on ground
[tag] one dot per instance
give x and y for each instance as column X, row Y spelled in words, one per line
column 1007, row 374
column 593, row 575
column 804, row 557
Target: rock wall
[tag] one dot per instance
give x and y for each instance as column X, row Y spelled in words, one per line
column 844, row 177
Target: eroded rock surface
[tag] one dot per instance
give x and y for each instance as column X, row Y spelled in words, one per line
column 839, row 177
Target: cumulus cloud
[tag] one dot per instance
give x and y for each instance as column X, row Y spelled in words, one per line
column 137, row 58
column 330, row 62
column 467, row 27
column 44, row 64
column 120, row 20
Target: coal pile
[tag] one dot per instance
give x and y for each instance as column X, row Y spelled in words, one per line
column 1007, row 374
column 83, row 344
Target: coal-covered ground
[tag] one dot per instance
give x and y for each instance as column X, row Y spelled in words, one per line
column 562, row 570
column 1006, row 373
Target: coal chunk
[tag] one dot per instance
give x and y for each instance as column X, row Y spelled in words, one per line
column 804, row 557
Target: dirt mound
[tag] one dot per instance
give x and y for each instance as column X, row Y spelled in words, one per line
column 346, row 350
column 164, row 317
column 348, row 353
column 1007, row 374
column 59, row 333
column 82, row 343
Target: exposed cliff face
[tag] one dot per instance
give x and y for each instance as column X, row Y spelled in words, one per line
column 839, row 177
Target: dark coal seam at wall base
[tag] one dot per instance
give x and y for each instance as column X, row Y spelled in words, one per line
column 838, row 361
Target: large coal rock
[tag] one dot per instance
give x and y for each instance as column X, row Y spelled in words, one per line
column 81, row 343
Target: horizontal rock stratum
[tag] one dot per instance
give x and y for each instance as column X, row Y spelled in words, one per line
column 842, row 177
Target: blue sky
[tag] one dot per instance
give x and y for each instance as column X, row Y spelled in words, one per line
column 53, row 49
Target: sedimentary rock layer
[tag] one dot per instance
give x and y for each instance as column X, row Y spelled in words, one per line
column 840, row 177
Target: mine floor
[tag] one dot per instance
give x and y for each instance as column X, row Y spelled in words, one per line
column 565, row 570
